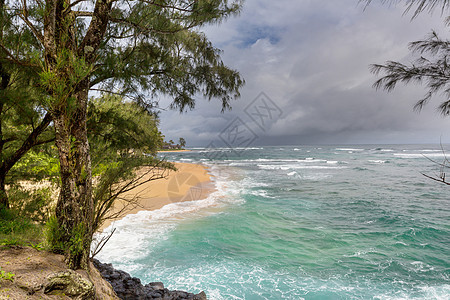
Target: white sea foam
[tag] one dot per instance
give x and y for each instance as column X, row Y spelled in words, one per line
column 315, row 177
column 250, row 162
column 130, row 240
column 419, row 155
column 297, row 166
column 441, row 292
column 420, row 266
column 311, row 160
column 376, row 161
column 401, row 243
column 349, row 149
column 261, row 193
column 263, row 160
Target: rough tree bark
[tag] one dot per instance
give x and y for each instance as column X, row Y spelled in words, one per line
column 4, row 203
column 75, row 208
column 5, row 78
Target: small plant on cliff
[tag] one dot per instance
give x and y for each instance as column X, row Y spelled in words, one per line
column 6, row 275
column 38, row 246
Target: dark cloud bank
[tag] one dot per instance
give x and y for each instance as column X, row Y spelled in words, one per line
column 312, row 61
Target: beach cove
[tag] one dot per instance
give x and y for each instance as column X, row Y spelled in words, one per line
column 189, row 182
column 298, row 222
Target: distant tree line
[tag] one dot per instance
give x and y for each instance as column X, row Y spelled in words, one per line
column 170, row 145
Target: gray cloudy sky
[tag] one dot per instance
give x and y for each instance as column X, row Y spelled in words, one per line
column 311, row 59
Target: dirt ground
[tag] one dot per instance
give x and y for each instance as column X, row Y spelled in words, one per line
column 31, row 269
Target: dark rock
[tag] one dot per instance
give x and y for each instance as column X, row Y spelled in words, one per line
column 182, row 295
column 201, row 296
column 131, row 288
column 155, row 285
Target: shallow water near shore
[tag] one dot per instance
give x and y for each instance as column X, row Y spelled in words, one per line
column 305, row 222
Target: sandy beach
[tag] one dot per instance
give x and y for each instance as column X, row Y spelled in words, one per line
column 172, row 151
column 190, row 182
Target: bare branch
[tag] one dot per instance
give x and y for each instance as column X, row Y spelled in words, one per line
column 79, row 13
column 442, row 180
column 102, row 243
column 112, row 193
column 75, row 3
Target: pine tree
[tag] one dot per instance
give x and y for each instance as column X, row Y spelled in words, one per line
column 22, row 124
column 133, row 48
column 430, row 68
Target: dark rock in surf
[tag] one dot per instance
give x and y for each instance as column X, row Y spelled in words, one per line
column 131, row 288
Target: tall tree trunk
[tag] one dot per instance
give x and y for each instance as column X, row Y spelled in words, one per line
column 75, row 208
column 4, row 203
column 5, row 78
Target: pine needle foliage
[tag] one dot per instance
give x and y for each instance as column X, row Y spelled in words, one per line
column 117, row 128
column 417, row 6
column 433, row 71
column 431, row 66
column 152, row 49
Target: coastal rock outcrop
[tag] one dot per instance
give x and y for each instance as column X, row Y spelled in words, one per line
column 130, row 288
column 70, row 283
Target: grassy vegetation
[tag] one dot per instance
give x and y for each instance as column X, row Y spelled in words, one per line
column 16, row 229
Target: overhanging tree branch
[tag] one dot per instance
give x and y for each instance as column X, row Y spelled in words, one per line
column 419, row 5
column 30, row 142
column 433, row 72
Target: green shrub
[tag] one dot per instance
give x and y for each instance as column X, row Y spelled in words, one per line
column 18, row 230
column 11, row 222
column 54, row 236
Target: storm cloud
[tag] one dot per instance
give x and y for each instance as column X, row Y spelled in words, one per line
column 311, row 59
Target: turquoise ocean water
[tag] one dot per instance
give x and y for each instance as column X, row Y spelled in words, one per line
column 304, row 222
